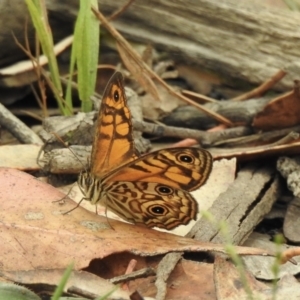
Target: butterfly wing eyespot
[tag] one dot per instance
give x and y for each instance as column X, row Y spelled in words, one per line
column 163, row 190
column 157, row 210
column 185, row 158
column 116, row 96
column 145, row 203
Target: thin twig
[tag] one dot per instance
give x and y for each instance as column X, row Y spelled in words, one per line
column 292, row 136
column 17, row 128
column 118, row 12
column 199, row 96
column 206, row 138
column 264, row 87
column 143, row 273
column 256, row 138
column 144, row 68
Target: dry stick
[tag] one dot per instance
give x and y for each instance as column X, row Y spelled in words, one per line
column 258, row 137
column 36, row 63
column 206, row 138
column 257, row 92
column 146, row 69
column 27, row 65
column 199, row 96
column 288, row 255
column 142, row 273
column 81, row 292
column 118, row 12
column 164, row 269
column 41, row 101
column 292, row 136
column 131, row 266
column 37, row 112
column 17, row 128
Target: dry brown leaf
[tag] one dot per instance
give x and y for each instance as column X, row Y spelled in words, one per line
column 189, row 280
column 35, row 234
column 263, row 268
column 86, row 281
column 229, row 285
column 281, row 112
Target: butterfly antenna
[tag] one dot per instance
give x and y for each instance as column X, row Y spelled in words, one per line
column 84, row 167
column 66, row 146
column 39, row 154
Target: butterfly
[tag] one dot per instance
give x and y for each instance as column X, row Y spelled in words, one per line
column 150, row 190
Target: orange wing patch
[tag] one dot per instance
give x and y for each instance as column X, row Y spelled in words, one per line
column 113, row 143
column 181, row 168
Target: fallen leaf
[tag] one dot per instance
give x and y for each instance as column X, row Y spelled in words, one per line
column 281, row 112
column 229, row 284
column 189, row 280
column 262, row 268
column 85, row 280
column 35, row 234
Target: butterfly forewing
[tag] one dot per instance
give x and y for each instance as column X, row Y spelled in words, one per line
column 181, row 168
column 113, row 142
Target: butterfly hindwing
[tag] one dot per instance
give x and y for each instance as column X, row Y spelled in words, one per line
column 150, row 204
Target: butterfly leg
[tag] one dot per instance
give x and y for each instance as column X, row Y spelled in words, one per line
column 78, row 204
column 65, row 196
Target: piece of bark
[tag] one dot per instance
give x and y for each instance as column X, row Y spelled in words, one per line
column 230, row 286
column 241, row 41
column 164, row 269
column 263, row 268
column 287, row 165
column 74, row 130
column 237, row 112
column 290, row 169
column 17, row 128
column 10, row 52
column 192, row 33
column 21, row 157
column 67, row 160
column 291, row 223
column 242, row 206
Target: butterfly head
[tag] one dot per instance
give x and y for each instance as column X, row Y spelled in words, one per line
column 90, row 186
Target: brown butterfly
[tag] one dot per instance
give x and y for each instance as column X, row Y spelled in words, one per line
column 152, row 189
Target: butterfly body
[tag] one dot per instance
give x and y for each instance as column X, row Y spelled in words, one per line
column 153, row 189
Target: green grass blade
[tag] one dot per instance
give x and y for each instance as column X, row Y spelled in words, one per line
column 42, row 28
column 86, row 48
column 60, row 288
